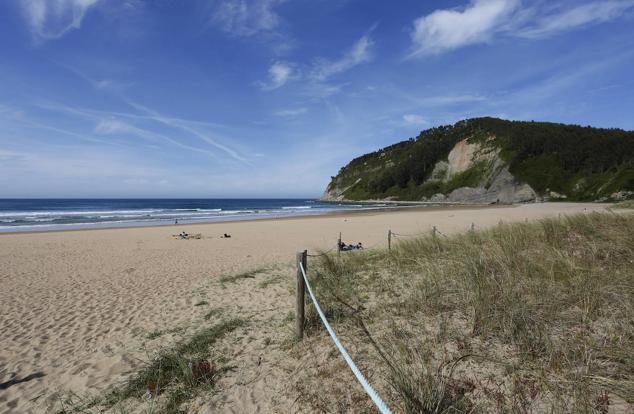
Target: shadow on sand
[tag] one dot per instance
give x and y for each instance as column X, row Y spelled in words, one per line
column 15, row 380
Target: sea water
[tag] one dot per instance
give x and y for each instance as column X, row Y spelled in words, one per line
column 58, row 214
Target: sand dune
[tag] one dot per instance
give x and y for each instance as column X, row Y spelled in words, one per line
column 76, row 307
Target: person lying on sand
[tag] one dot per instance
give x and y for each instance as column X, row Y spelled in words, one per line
column 344, row 247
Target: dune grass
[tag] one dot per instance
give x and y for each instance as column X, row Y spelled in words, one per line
column 167, row 381
column 249, row 274
column 624, row 204
column 527, row 317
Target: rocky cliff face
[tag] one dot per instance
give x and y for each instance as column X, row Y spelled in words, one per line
column 335, row 193
column 495, row 184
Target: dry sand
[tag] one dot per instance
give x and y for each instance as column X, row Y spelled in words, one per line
column 76, row 307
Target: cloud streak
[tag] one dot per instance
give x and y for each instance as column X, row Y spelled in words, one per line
column 155, row 116
column 52, row 19
column 291, row 112
column 361, row 52
column 564, row 18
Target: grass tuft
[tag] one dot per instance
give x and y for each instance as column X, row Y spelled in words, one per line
column 171, row 377
column 624, row 204
column 250, row 274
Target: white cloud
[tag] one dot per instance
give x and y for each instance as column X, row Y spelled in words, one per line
column 480, row 21
column 568, row 18
column 51, row 19
column 361, row 52
column 279, row 74
column 444, row 30
column 291, row 112
column 246, row 17
column 414, row 119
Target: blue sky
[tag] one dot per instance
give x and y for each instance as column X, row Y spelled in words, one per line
column 269, row 98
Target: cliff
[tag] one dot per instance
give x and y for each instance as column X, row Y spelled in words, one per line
column 488, row 160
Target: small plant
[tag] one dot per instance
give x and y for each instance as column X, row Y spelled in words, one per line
column 250, row 274
column 177, row 374
column 154, row 334
column 212, row 313
column 270, row 281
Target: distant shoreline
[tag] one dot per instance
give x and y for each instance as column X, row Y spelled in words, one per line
column 414, row 203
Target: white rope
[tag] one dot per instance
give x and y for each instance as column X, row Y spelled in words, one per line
column 366, row 385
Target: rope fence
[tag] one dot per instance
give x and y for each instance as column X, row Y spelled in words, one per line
column 380, row 404
column 303, row 285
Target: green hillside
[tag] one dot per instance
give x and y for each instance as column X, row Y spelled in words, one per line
column 580, row 163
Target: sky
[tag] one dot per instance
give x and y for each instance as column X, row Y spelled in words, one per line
column 269, row 98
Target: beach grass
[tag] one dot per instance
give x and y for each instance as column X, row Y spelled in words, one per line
column 213, row 313
column 624, row 204
column 166, row 381
column 249, row 274
column 526, row 317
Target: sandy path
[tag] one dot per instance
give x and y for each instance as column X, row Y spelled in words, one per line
column 75, row 307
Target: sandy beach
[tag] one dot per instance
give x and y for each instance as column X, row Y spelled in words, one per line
column 77, row 307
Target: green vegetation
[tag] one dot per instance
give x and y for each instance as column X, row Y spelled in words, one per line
column 250, row 274
column 169, row 380
column 154, row 334
column 277, row 278
column 213, row 312
column 583, row 163
column 527, row 317
column 624, row 204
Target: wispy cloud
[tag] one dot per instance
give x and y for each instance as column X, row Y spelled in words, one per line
column 155, row 116
column 21, row 117
column 413, row 119
column 482, row 20
column 51, row 19
column 110, row 124
column 567, row 18
column 291, row 112
column 279, row 74
column 361, row 52
column 96, row 83
column 113, row 126
column 246, row 17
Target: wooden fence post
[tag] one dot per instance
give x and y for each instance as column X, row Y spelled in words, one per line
column 339, row 245
column 472, row 227
column 301, row 289
column 389, row 240
column 433, row 231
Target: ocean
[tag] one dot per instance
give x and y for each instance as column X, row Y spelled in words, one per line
column 58, row 214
